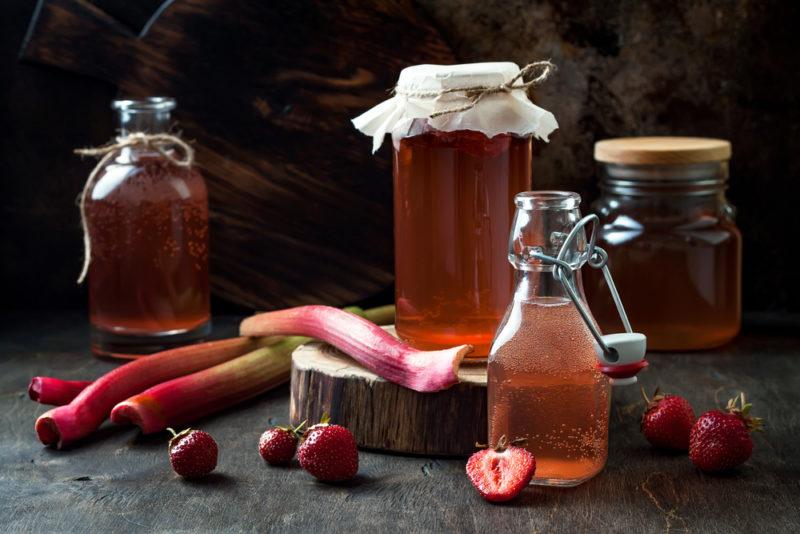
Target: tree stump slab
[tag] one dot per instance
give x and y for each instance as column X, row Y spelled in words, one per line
column 382, row 415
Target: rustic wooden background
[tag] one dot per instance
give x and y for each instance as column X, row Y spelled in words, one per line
column 717, row 68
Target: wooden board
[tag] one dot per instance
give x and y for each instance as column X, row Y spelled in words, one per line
column 300, row 209
column 383, row 415
column 120, row 481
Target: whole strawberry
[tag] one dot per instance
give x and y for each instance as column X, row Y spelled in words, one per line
column 192, row 453
column 329, row 452
column 278, row 444
column 501, row 473
column 721, row 440
column 667, row 421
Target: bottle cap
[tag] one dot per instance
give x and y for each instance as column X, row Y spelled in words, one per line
column 662, row 150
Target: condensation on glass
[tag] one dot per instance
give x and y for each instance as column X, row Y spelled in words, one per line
column 543, row 380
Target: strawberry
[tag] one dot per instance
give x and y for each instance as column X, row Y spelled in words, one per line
column 192, row 453
column 329, row 452
column 278, row 444
column 501, row 473
column 667, row 420
column 721, row 440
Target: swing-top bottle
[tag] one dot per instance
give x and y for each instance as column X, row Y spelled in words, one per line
column 543, row 379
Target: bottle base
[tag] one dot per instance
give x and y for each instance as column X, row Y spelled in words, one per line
column 424, row 340
column 131, row 346
column 561, row 482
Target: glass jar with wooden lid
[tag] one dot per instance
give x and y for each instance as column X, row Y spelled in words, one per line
column 667, row 224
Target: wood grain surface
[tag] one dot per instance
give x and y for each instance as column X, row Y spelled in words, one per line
column 300, row 209
column 120, row 481
column 382, row 415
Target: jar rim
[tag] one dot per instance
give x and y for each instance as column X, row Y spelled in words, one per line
column 549, row 199
column 144, row 105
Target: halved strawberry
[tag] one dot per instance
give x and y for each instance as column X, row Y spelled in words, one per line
column 501, row 473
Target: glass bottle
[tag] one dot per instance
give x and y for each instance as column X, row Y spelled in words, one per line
column 147, row 220
column 453, row 203
column 543, row 379
column 663, row 212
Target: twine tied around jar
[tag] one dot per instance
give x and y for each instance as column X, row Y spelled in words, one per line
column 475, row 93
column 160, row 142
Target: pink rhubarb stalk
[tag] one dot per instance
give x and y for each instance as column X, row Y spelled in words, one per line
column 48, row 390
column 365, row 342
column 187, row 398
column 66, row 424
column 184, row 399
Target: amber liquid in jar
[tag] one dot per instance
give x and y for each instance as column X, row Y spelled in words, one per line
column 680, row 287
column 675, row 253
column 453, row 207
column 148, row 277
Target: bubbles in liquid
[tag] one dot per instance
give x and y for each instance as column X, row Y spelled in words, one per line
column 544, row 386
column 149, row 269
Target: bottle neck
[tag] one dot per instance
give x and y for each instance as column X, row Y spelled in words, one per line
column 541, row 286
column 149, row 121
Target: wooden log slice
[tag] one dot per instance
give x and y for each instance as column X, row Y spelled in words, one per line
column 383, row 415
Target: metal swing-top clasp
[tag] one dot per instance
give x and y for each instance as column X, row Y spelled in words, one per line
column 621, row 355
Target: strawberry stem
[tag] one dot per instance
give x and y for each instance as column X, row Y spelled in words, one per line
column 739, row 406
column 296, row 429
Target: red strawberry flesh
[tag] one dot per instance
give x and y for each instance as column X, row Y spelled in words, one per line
column 501, row 475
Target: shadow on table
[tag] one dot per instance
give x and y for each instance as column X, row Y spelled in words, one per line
column 212, row 480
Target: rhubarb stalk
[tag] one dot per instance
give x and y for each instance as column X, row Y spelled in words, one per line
column 190, row 397
column 365, row 342
column 187, row 398
column 66, row 424
column 54, row 391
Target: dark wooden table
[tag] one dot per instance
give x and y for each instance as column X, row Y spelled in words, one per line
column 120, row 481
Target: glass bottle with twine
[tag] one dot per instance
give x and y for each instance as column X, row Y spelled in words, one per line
column 144, row 212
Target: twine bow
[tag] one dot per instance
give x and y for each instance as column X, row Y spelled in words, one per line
column 475, row 93
column 159, row 142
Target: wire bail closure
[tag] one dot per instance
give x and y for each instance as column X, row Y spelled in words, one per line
column 621, row 355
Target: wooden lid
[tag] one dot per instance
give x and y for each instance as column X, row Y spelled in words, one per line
column 662, row 150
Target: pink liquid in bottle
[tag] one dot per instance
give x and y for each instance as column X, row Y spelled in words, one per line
column 543, row 381
column 544, row 387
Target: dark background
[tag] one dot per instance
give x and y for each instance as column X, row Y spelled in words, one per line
column 720, row 69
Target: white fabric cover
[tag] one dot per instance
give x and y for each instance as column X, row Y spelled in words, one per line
column 503, row 112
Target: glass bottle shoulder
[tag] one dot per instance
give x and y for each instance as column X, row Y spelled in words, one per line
column 135, row 176
column 545, row 336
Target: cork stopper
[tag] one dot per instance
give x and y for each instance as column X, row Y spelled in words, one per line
column 662, row 150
